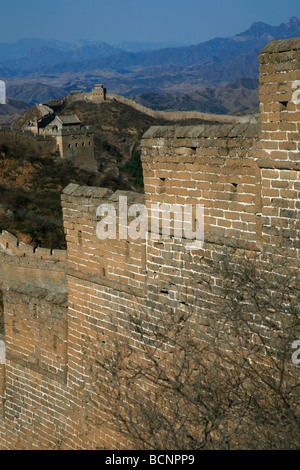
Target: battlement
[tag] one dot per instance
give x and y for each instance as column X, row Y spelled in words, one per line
column 9, row 244
column 74, row 131
column 209, row 165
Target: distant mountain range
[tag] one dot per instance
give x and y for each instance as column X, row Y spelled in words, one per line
column 26, row 48
column 133, row 69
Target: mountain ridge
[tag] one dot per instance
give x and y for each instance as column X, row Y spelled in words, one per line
column 108, row 56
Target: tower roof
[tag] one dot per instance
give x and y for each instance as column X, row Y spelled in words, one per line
column 71, row 119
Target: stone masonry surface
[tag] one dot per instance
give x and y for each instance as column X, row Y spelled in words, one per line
column 60, row 306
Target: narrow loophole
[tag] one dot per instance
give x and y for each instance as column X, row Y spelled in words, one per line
column 283, row 105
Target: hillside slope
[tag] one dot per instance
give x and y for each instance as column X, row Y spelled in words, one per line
column 117, row 125
column 31, row 184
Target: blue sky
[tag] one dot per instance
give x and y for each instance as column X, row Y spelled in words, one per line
column 112, row 21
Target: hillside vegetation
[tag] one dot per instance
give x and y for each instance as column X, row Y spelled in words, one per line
column 31, row 183
column 30, row 188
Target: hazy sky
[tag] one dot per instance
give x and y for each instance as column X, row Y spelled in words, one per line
column 112, row 21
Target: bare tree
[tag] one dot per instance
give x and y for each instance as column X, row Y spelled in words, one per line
column 190, row 380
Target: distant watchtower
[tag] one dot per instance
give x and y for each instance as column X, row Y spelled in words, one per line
column 98, row 93
column 71, row 140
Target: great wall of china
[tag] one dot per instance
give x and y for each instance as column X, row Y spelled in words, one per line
column 60, row 306
column 169, row 115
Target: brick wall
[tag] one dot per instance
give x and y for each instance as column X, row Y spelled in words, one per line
column 106, row 284
column 46, row 145
column 209, row 166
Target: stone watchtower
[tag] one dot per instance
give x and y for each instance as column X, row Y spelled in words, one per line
column 70, row 139
column 74, row 141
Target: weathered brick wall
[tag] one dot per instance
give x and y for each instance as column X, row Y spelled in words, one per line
column 209, row 166
column 31, row 333
column 37, row 338
column 8, row 136
column 36, row 367
column 46, row 145
column 110, row 261
column 60, row 364
column 79, row 149
column 22, row 263
column 106, row 284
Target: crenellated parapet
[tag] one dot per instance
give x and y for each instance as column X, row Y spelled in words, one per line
column 24, row 263
column 9, row 244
